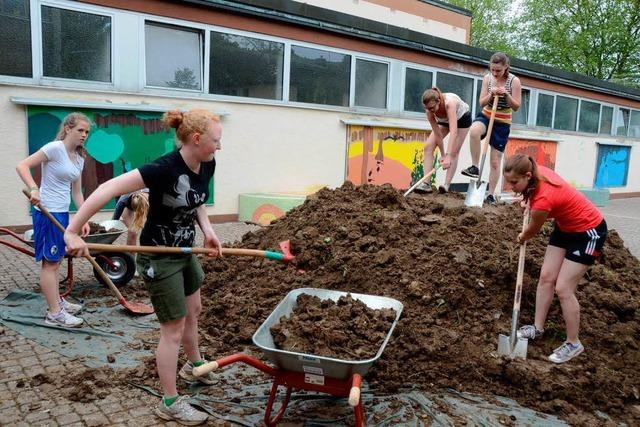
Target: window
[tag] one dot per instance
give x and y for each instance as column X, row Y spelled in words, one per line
column 415, row 83
column 76, row 45
column 606, row 118
column 545, row 110
column 613, row 166
column 173, row 56
column 566, row 113
column 634, row 124
column 622, row 121
column 461, row 86
column 245, row 66
column 371, row 84
column 589, row 117
column 319, row 76
column 521, row 116
column 15, row 38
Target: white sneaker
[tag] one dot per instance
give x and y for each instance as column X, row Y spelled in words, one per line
column 181, row 411
column 69, row 307
column 566, row 352
column 63, row 319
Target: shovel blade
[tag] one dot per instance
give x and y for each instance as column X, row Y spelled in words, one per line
column 512, row 350
column 475, row 194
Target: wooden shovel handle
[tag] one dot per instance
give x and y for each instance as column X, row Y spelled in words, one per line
column 487, row 138
column 420, row 181
column 93, row 262
column 101, row 247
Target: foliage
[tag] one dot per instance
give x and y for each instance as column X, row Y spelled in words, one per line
column 491, row 26
column 184, row 78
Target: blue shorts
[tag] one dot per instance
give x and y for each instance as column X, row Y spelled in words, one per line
column 499, row 134
column 48, row 240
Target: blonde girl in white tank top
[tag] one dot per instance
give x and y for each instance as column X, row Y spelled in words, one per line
column 449, row 115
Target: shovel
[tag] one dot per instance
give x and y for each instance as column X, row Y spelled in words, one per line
column 133, row 307
column 284, row 256
column 512, row 346
column 421, row 180
column 477, row 189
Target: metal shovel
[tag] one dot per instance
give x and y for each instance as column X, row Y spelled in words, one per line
column 477, row 188
column 512, row 346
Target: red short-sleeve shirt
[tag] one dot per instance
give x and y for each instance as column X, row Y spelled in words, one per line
column 571, row 209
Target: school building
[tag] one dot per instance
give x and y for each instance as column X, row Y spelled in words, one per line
column 311, row 93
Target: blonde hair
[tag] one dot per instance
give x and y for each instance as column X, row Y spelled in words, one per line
column 519, row 165
column 140, row 206
column 189, row 122
column 431, row 95
column 500, row 58
column 71, row 121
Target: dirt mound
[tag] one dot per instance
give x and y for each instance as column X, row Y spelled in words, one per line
column 454, row 269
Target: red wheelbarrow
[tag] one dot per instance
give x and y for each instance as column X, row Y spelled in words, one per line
column 341, row 378
column 119, row 266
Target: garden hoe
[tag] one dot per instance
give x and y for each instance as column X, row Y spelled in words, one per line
column 512, row 346
column 477, row 188
column 133, row 307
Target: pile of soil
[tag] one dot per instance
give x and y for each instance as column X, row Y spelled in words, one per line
column 454, row 269
column 346, row 329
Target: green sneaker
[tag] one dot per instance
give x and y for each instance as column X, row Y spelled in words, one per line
column 182, row 412
column 186, row 373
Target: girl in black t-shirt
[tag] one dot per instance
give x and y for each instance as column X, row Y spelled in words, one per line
column 178, row 185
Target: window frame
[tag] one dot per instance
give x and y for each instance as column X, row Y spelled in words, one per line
column 403, row 86
column 143, row 58
column 76, row 83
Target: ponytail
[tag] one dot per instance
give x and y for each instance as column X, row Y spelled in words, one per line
column 140, row 206
column 520, row 165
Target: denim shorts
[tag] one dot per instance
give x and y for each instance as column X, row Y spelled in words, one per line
column 48, row 240
column 499, row 134
column 170, row 279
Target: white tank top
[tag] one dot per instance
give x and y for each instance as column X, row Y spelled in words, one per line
column 461, row 109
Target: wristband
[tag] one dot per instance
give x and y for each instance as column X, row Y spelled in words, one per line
column 34, row 189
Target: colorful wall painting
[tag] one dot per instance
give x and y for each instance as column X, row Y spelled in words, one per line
column 612, row 166
column 119, row 141
column 380, row 155
column 262, row 208
column 543, row 152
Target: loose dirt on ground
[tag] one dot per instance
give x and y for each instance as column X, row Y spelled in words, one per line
column 454, row 269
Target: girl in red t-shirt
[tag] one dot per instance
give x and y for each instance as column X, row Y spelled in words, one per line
column 575, row 243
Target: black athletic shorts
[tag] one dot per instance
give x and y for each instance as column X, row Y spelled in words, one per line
column 463, row 122
column 584, row 247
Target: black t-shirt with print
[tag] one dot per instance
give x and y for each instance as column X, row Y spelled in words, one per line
column 175, row 191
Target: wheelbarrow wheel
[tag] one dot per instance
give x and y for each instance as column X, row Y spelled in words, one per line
column 119, row 266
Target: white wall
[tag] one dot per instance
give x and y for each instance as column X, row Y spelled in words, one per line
column 398, row 18
column 264, row 148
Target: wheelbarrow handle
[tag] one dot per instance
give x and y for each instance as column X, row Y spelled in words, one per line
column 278, row 256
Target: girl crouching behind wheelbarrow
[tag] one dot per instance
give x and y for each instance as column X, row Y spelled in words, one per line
column 575, row 243
column 61, row 162
column 178, row 185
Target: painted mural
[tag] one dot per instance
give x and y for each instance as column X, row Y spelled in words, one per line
column 119, row 141
column 380, row 155
column 612, row 166
column 543, row 152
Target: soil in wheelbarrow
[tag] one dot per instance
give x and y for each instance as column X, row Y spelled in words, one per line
column 95, row 228
column 454, row 269
column 344, row 329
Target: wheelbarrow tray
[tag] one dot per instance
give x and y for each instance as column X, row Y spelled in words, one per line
column 107, row 238
column 320, row 365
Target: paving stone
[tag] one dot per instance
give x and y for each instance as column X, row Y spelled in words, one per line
column 84, row 408
column 94, row 420
column 36, row 416
column 67, row 419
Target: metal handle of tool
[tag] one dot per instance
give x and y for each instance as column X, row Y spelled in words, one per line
column 93, row 262
column 179, row 250
column 421, row 180
column 519, row 280
column 487, row 138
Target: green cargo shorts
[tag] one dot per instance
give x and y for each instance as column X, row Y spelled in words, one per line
column 170, row 279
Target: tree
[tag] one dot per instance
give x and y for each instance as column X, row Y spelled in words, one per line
column 599, row 38
column 184, row 78
column 491, row 24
